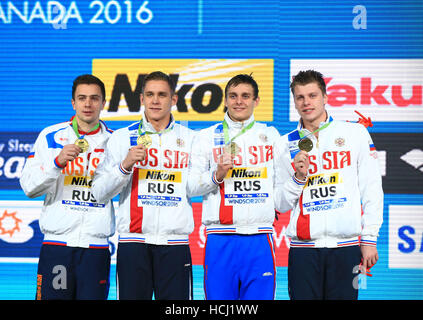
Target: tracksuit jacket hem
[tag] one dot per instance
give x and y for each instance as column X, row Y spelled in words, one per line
column 70, row 241
column 156, row 239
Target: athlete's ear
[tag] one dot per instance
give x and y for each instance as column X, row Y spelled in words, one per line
column 174, row 99
column 257, row 101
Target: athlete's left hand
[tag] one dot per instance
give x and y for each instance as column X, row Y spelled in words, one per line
column 369, row 257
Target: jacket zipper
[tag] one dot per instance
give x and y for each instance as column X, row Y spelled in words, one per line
column 161, row 166
column 86, row 174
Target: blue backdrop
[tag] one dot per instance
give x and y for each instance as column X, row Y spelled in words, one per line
column 44, row 45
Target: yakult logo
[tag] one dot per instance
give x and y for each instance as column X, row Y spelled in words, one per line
column 385, row 90
column 366, row 94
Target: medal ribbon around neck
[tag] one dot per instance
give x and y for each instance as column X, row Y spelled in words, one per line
column 81, row 142
column 231, row 146
column 305, row 143
column 143, row 136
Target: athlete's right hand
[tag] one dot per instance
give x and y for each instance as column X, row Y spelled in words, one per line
column 301, row 164
column 224, row 163
column 135, row 154
column 68, row 153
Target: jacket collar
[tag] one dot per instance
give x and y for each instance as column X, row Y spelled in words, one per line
column 88, row 133
column 147, row 126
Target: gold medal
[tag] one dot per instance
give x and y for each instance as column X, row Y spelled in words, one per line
column 83, row 144
column 305, row 144
column 145, row 140
column 232, row 148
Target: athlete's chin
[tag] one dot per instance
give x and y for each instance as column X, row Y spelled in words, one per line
column 308, row 117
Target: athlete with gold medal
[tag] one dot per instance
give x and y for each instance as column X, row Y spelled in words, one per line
column 232, row 168
column 76, row 227
column 146, row 163
column 328, row 176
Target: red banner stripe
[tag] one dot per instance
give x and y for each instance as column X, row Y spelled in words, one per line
column 136, row 212
column 225, row 212
column 303, row 223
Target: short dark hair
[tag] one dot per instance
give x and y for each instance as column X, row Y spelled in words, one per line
column 158, row 75
column 242, row 78
column 88, row 79
column 305, row 77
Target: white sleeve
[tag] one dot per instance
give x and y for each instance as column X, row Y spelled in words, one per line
column 40, row 173
column 200, row 172
column 288, row 189
column 110, row 178
column 370, row 185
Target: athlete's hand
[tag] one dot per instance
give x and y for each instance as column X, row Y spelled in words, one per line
column 301, row 164
column 68, row 153
column 135, row 154
column 224, row 163
column 369, row 257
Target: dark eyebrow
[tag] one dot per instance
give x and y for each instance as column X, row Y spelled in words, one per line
column 91, row 96
column 160, row 92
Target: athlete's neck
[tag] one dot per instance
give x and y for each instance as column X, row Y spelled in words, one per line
column 311, row 126
column 159, row 124
column 238, row 120
column 314, row 125
column 86, row 126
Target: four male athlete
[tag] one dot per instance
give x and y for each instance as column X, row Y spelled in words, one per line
column 325, row 172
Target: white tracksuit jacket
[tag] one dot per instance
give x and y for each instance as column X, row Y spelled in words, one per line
column 153, row 205
column 243, row 203
column 342, row 199
column 71, row 215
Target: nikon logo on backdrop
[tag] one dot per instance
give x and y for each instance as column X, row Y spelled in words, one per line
column 200, row 86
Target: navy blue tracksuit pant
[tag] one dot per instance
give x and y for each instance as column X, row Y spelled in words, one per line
column 73, row 273
column 144, row 269
column 323, row 273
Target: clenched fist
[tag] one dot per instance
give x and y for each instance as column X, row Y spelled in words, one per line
column 68, row 153
column 135, row 154
column 224, row 163
column 301, row 164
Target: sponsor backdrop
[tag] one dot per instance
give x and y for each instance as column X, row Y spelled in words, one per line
column 370, row 52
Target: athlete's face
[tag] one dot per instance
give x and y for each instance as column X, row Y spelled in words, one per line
column 158, row 100
column 240, row 101
column 310, row 103
column 88, row 103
